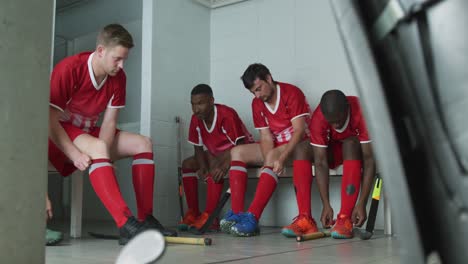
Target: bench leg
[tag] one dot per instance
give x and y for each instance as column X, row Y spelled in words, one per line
column 387, row 215
column 76, row 204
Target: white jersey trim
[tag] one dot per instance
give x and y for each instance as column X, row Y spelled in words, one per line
column 365, row 142
column 196, row 144
column 117, row 106
column 262, row 127
column 237, row 139
column 341, row 130
column 304, row 114
column 91, row 74
column 214, row 121
column 56, row 106
column 318, row 145
column 278, row 97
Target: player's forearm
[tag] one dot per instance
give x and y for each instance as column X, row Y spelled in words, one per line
column 60, row 138
column 295, row 139
column 107, row 133
column 368, row 176
column 323, row 180
column 266, row 145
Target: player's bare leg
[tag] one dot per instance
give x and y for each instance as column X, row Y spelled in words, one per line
column 104, row 182
column 139, row 147
column 241, row 157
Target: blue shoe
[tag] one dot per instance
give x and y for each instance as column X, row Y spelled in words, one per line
column 247, row 226
column 230, row 219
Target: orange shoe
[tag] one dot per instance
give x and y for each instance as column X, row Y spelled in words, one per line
column 189, row 218
column 302, row 224
column 343, row 227
column 201, row 220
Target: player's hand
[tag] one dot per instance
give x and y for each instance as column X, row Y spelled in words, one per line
column 219, row 172
column 49, row 213
column 82, row 161
column 327, row 217
column 202, row 172
column 359, row 215
column 278, row 166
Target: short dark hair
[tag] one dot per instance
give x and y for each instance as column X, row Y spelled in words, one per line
column 202, row 89
column 114, row 35
column 254, row 71
column 333, row 103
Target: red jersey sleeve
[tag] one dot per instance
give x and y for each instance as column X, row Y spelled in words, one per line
column 297, row 104
column 318, row 129
column 233, row 127
column 194, row 132
column 258, row 118
column 118, row 98
column 62, row 82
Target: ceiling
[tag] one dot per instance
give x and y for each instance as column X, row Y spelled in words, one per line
column 62, row 5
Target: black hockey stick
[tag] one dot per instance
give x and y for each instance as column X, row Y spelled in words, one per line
column 214, row 214
column 369, row 231
column 179, row 169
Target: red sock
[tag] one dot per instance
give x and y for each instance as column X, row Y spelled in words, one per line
column 265, row 188
column 143, row 183
column 190, row 180
column 238, row 184
column 302, row 179
column 213, row 193
column 102, row 178
column 350, row 185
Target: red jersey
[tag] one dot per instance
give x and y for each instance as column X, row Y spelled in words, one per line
column 290, row 104
column 75, row 92
column 321, row 133
column 226, row 130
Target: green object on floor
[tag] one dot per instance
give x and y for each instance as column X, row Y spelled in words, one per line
column 53, row 237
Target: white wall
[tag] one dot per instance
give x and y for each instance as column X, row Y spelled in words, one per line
column 180, row 60
column 296, row 39
column 299, row 42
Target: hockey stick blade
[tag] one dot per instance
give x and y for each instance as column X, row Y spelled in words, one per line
column 214, row 214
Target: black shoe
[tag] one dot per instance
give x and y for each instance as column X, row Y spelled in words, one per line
column 152, row 223
column 131, row 228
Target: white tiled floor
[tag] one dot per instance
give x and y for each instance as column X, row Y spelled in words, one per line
column 270, row 247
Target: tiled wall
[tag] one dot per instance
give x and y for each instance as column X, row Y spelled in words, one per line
column 181, row 48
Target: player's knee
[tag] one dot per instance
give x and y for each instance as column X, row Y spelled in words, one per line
column 98, row 148
column 351, row 148
column 236, row 153
column 189, row 163
column 352, row 142
column 146, row 144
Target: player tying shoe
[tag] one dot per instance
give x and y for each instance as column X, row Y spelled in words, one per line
column 338, row 130
column 81, row 88
column 218, row 128
column 280, row 113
